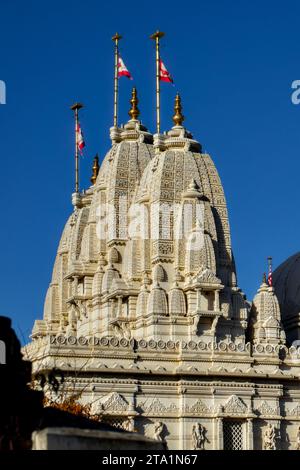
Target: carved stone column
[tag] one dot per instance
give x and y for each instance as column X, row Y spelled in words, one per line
column 217, row 301
column 198, row 297
column 75, row 285
column 69, row 284
column 120, row 302
column 182, row 420
column 249, row 434
column 113, row 312
column 218, row 434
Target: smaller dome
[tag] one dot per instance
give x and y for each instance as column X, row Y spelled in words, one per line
column 199, row 251
column 286, row 279
column 265, row 319
column 97, row 281
column 114, row 255
column 157, row 302
column 110, row 274
column 177, row 303
column 159, row 273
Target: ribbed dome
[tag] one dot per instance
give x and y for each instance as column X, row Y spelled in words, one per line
column 142, row 301
column 180, row 174
column 157, row 301
column 265, row 319
column 286, row 281
column 177, row 304
column 156, row 213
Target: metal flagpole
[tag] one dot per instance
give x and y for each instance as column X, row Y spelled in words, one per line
column 156, row 36
column 76, row 108
column 116, row 39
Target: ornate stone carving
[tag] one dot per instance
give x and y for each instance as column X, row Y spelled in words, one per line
column 157, row 407
column 206, row 277
column 158, row 431
column 129, row 425
column 234, row 406
column 167, row 341
column 198, row 408
column 266, row 410
column 112, row 403
column 198, row 436
column 123, row 330
column 269, row 438
column 294, row 411
column 297, row 443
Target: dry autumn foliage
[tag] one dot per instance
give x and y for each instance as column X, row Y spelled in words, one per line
column 71, row 405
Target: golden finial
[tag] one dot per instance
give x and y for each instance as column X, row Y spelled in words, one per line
column 95, row 170
column 134, row 111
column 178, row 117
column 157, row 35
column 116, row 37
column 76, row 106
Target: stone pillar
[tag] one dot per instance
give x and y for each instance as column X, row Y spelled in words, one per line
column 182, row 420
column 112, row 307
column 69, row 284
column 249, row 434
column 217, row 301
column 218, row 434
column 198, row 304
column 75, row 285
column 120, row 301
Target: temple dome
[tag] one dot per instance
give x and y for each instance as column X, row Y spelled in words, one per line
column 286, row 280
column 180, row 174
column 80, row 244
column 265, row 319
column 116, row 265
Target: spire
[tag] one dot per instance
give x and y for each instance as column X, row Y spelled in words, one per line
column 134, row 111
column 95, row 170
column 178, row 117
column 265, row 317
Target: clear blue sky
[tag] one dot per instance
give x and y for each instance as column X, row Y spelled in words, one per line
column 233, row 62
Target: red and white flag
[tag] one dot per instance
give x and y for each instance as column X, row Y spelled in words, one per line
column 79, row 138
column 164, row 75
column 123, row 70
column 270, row 276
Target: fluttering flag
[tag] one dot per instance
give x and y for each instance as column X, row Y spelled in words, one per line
column 164, row 75
column 270, row 274
column 79, row 138
column 123, row 70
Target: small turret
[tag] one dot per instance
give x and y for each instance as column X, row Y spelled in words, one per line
column 265, row 318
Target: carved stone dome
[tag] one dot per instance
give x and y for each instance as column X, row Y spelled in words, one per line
column 265, row 318
column 107, row 279
column 181, row 175
column 286, row 281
